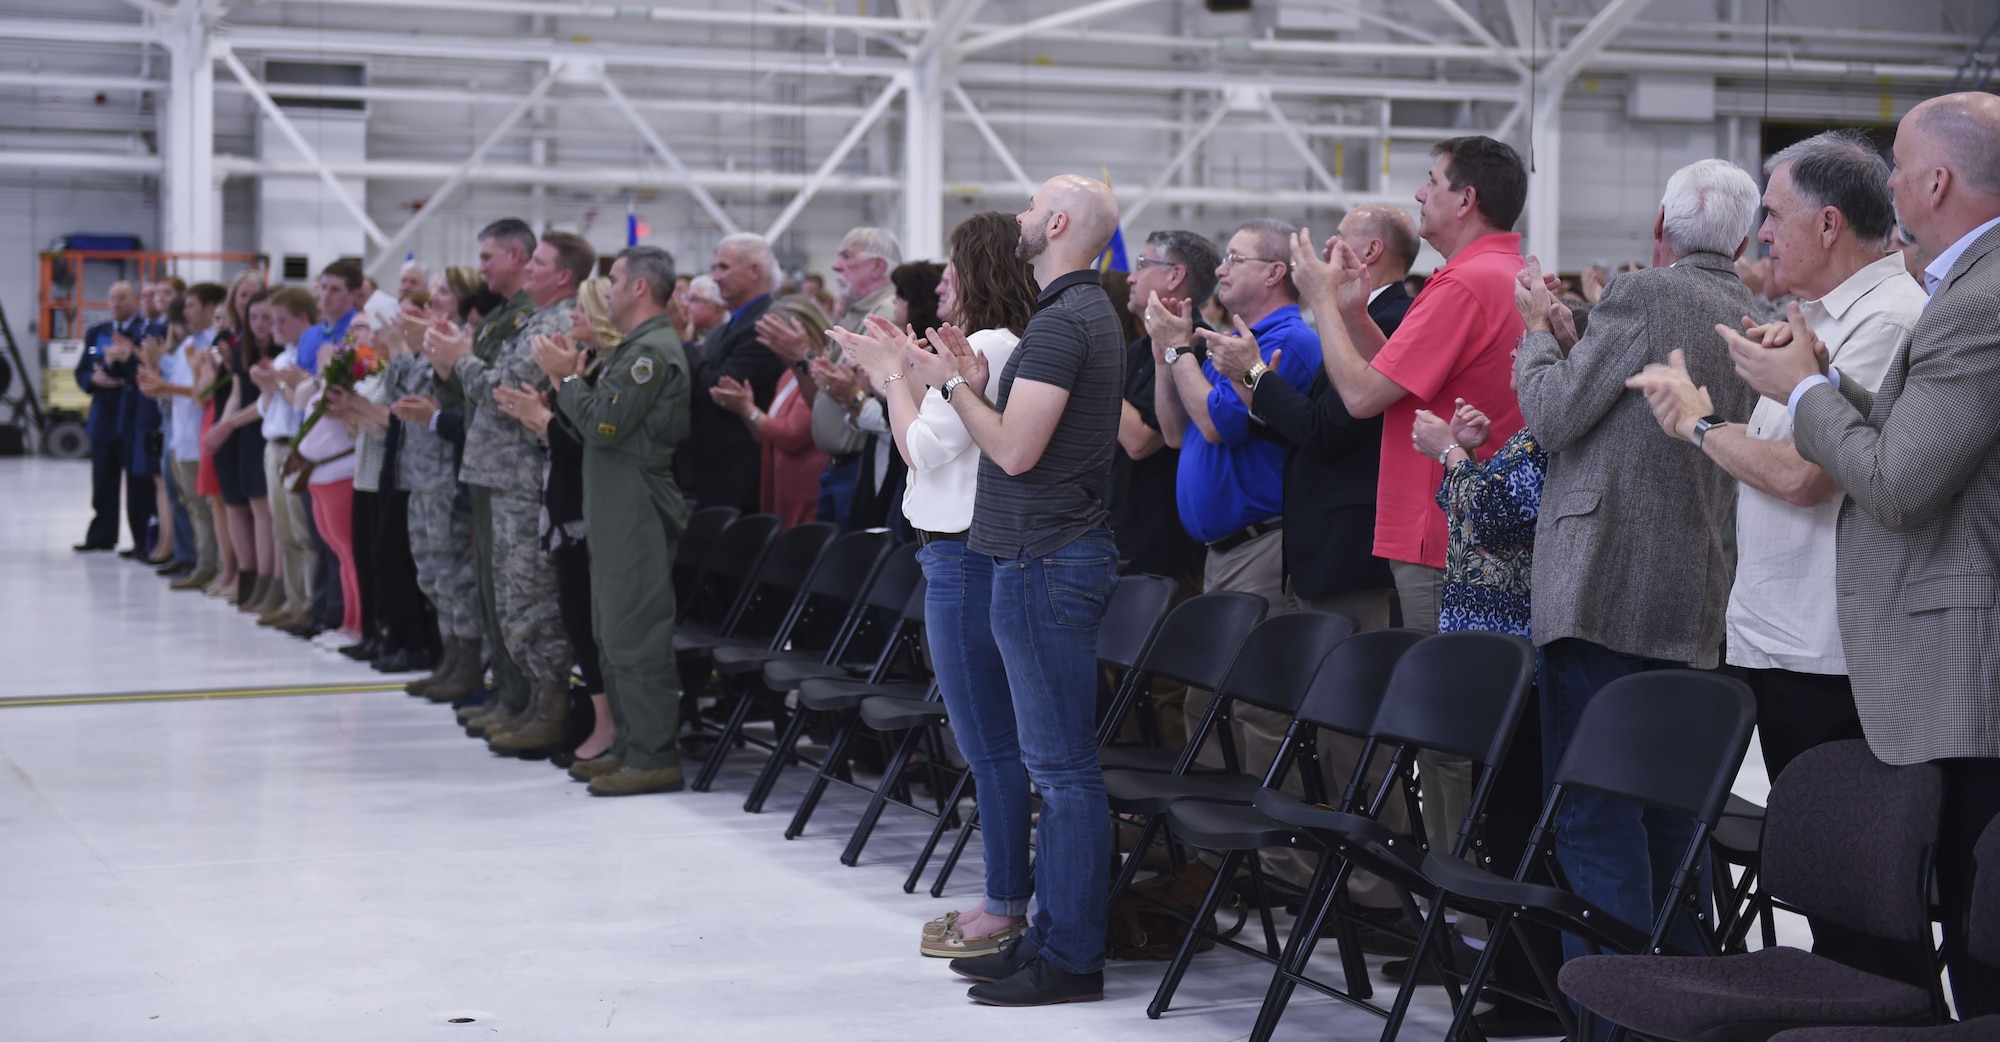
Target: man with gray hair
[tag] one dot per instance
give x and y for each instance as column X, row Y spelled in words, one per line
column 1633, row 574
column 861, row 268
column 724, row 465
column 1827, row 218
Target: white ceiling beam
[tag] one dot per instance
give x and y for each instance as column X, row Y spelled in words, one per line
column 153, row 7
column 1610, row 21
column 947, row 26
column 59, row 81
column 1048, row 23
column 667, row 155
column 674, row 14
column 109, row 162
column 1484, row 35
column 1298, row 142
column 435, row 201
column 583, row 176
column 1174, row 165
column 291, row 132
column 50, row 29
column 992, row 139
column 819, row 177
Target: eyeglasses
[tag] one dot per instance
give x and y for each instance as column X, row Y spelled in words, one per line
column 1143, row 261
column 1233, row 258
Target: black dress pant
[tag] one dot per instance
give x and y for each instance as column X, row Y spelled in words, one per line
column 107, row 473
column 1971, row 802
column 573, row 598
column 365, row 523
column 402, row 613
column 1796, row 711
column 140, row 506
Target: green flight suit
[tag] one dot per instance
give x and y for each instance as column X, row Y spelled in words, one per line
column 630, row 424
column 510, row 685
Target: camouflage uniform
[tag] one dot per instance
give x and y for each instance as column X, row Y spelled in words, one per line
column 509, row 462
column 630, row 424
column 510, row 687
column 440, row 520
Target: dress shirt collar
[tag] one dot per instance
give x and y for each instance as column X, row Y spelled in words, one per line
column 867, row 305
column 1498, row 242
column 1858, row 285
column 1063, row 282
column 1940, row 269
column 1376, row 292
column 1288, row 313
column 738, row 313
column 337, row 328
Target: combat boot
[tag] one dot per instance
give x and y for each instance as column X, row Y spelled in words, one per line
column 493, row 718
column 637, row 781
column 422, row 685
column 464, row 677
column 541, row 726
column 585, row 770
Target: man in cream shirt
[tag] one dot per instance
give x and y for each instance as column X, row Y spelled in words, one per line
column 1829, row 217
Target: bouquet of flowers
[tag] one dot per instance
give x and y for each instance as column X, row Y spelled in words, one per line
column 354, row 362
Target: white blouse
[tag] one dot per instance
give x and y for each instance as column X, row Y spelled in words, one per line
column 944, row 462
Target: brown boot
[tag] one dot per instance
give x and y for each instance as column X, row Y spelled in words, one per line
column 422, row 685
column 635, row 781
column 465, row 677
column 542, row 725
column 587, row 770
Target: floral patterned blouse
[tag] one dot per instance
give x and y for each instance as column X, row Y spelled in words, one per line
column 1490, row 510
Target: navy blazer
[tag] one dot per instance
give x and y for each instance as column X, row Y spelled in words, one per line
column 102, row 424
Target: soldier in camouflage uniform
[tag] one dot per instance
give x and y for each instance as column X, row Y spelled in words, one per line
column 510, row 462
column 630, row 423
column 440, row 520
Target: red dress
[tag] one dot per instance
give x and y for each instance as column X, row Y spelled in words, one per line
column 206, row 483
column 792, row 463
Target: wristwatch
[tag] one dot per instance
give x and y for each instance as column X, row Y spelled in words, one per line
column 1706, row 424
column 1173, row 354
column 1254, row 374
column 945, row 391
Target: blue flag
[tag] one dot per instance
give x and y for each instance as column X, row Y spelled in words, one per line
column 1113, row 257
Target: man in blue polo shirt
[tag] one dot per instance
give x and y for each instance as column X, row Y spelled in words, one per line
column 338, row 285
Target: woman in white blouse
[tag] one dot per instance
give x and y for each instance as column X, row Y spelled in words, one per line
column 988, row 290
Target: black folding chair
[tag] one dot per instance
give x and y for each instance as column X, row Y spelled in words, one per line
column 704, row 526
column 1735, row 855
column 1456, row 693
column 721, row 578
column 1195, row 646
column 1132, row 620
column 865, row 651
column 763, row 608
column 1848, row 840
column 1671, row 740
column 1344, row 696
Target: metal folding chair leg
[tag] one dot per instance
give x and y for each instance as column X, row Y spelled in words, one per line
column 1171, row 981
column 957, row 851
column 836, row 758
column 944, row 820
column 781, row 756
column 723, row 742
column 891, row 777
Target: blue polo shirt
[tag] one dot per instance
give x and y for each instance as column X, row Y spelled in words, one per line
column 1223, row 487
column 324, row 333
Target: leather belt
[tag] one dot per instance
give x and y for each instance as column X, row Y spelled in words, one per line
column 1245, row 534
column 926, row 538
column 279, row 441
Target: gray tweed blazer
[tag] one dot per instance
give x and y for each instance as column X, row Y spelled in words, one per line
column 1919, row 536
column 1631, row 549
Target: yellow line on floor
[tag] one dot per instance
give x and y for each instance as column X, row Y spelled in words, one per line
column 196, row 696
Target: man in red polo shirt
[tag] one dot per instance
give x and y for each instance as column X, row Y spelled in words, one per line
column 1457, row 342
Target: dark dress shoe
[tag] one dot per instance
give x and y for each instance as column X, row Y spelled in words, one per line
column 1039, row 983
column 397, row 661
column 367, row 649
column 173, row 570
column 92, row 548
column 1001, row 965
column 562, row 759
column 130, row 554
column 306, row 630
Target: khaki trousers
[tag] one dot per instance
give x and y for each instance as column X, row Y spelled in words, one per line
column 289, row 531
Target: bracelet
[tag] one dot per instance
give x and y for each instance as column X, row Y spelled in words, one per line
column 1445, row 456
column 756, row 415
column 891, row 378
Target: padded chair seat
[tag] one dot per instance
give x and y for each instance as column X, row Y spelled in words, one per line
column 1141, row 792
column 899, row 712
column 1359, row 835
column 1154, row 758
column 788, row 674
column 828, row 694
column 1547, row 904
column 1735, row 996
column 1741, row 840
column 1978, row 1029
column 732, row 659
column 1227, row 826
column 697, row 642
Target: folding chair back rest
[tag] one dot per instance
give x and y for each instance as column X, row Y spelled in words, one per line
column 1198, row 641
column 1458, row 693
column 1670, row 739
column 900, row 574
column 1845, row 838
column 850, row 562
column 786, row 569
column 1983, row 939
column 703, row 526
column 1347, row 691
column 1274, row 668
column 722, row 573
column 1138, row 603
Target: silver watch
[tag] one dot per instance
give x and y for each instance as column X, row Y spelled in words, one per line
column 1173, row 354
column 945, row 391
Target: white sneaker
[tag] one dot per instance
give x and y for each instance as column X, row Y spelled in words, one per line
column 332, row 640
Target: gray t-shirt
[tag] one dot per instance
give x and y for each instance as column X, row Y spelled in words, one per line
column 1074, row 341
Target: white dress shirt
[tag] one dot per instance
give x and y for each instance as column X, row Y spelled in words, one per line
column 281, row 417
column 944, row 462
column 183, row 411
column 1781, row 608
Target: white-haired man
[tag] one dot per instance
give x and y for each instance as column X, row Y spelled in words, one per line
column 722, row 466
column 859, row 450
column 1632, row 574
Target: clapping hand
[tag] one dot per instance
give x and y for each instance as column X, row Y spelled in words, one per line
column 413, row 321
column 150, row 383
column 1233, row 355
column 1430, row 434
column 733, row 395
column 1532, row 297
column 265, row 375
column 1470, row 427
column 445, row 344
column 784, row 337
column 1776, row 364
column 950, row 340
column 1170, row 323
column 121, row 347
column 525, row 404
column 878, row 352
column 558, row 356
column 416, row 409
column 1676, row 402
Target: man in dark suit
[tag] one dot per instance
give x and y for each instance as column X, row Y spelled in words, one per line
column 1919, row 533
column 721, row 463
column 108, row 348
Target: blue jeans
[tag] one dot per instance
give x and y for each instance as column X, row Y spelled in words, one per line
column 184, row 548
column 1617, row 854
column 958, row 619
column 836, row 491
column 1045, row 615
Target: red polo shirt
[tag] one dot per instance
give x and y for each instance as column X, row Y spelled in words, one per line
column 1456, row 342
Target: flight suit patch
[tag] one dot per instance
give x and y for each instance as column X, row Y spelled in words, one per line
column 607, row 430
column 642, row 370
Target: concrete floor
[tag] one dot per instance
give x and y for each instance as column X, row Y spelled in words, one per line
column 350, row 866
